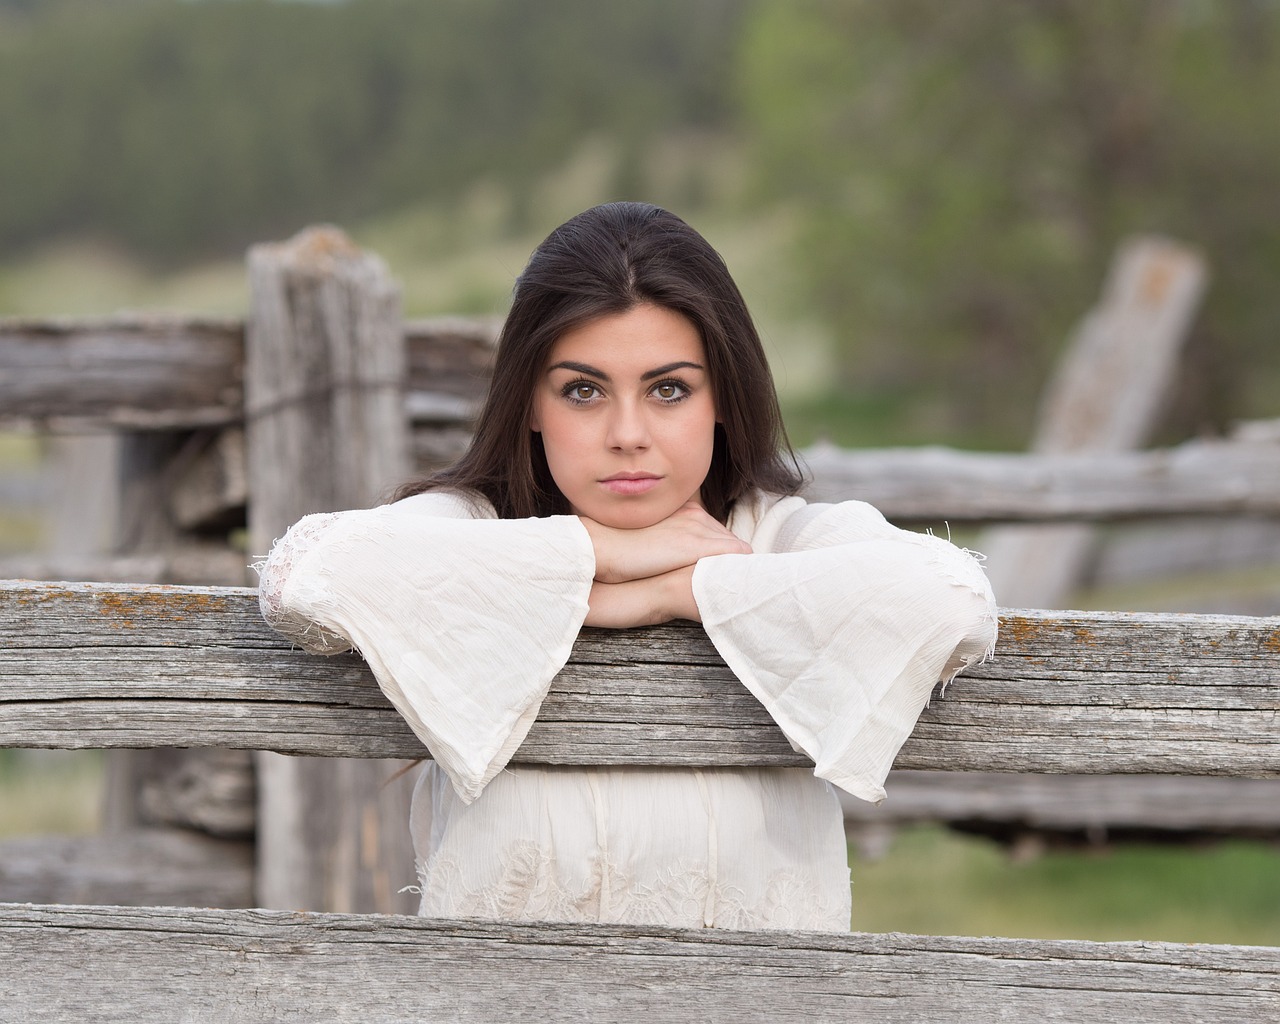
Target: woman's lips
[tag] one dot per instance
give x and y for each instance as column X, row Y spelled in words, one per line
column 627, row 484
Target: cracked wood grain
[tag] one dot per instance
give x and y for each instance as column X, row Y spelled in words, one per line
column 116, row 963
column 99, row 665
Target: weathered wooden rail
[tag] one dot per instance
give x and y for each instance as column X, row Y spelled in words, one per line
column 96, row 665
column 1197, row 478
column 162, row 372
column 99, row 665
column 185, row 965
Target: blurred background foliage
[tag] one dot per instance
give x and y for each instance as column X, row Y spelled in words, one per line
column 967, row 170
column 937, row 187
column 181, row 129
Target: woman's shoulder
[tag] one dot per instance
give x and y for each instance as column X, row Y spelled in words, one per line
column 448, row 503
column 759, row 512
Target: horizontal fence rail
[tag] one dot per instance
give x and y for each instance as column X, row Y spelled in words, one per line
column 928, row 483
column 169, row 372
column 97, row 665
column 129, row 964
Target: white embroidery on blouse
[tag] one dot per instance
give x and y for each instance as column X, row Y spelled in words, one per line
column 678, row 895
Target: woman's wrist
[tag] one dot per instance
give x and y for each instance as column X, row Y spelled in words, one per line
column 678, row 602
column 643, row 602
column 604, row 543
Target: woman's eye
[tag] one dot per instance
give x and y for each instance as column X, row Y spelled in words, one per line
column 670, row 390
column 581, row 392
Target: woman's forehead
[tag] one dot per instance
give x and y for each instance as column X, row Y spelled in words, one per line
column 631, row 343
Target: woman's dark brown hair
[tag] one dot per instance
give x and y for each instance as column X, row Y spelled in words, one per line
column 602, row 262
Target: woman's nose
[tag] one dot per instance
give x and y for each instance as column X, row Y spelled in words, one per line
column 628, row 429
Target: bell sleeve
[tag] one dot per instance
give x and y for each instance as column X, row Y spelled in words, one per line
column 842, row 627
column 464, row 619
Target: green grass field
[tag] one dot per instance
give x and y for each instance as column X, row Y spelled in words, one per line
column 936, row 882
column 49, row 792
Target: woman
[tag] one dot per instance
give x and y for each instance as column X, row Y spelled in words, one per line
column 629, row 468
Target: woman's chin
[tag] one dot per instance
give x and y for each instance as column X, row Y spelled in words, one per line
column 628, row 516
column 636, row 522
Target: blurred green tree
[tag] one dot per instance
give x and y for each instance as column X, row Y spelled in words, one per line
column 183, row 128
column 964, row 172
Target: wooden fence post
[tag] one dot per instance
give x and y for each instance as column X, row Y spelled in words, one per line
column 1105, row 396
column 325, row 430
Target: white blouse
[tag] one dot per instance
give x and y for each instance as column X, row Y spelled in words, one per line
column 839, row 623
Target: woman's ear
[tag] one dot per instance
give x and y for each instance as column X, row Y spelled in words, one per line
column 534, row 423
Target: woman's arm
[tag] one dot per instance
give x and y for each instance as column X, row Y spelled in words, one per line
column 844, row 628
column 463, row 619
column 645, row 602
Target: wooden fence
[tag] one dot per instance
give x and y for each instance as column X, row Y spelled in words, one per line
column 174, row 390
column 320, row 398
column 88, row 665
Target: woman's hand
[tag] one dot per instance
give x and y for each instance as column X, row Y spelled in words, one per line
column 644, row 577
column 676, row 542
column 644, row 602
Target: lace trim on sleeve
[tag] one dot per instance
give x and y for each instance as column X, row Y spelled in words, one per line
column 275, row 573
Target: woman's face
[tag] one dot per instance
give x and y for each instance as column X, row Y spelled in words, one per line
column 627, row 417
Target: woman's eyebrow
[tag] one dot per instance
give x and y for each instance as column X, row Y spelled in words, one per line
column 669, row 368
column 593, row 371
column 569, row 364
